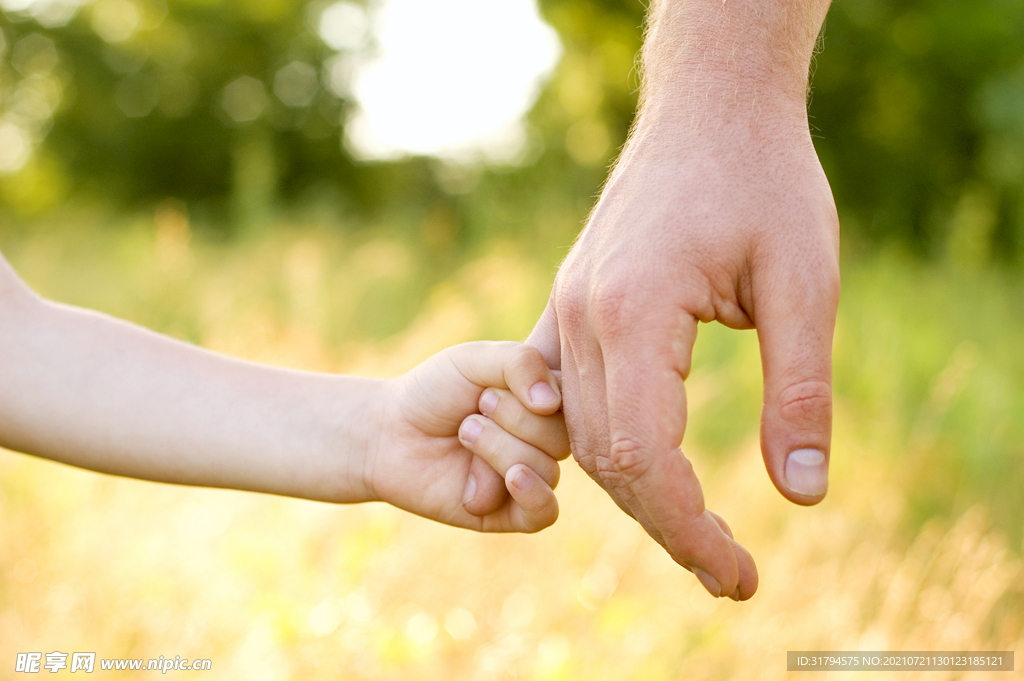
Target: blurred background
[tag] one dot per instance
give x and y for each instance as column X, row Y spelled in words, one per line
column 353, row 186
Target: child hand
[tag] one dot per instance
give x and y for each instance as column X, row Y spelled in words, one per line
column 465, row 426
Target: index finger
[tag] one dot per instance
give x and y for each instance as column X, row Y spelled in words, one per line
column 644, row 370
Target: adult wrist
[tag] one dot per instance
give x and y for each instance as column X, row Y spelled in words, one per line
column 732, row 56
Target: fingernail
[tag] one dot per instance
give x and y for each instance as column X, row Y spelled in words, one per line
column 522, row 481
column 488, row 402
column 541, row 395
column 709, row 582
column 471, row 429
column 470, row 492
column 807, row 472
column 735, row 595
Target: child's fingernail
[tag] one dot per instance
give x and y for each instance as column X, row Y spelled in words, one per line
column 471, row 429
column 541, row 395
column 488, row 402
column 470, row 492
column 709, row 582
column 807, row 472
column 735, row 595
column 521, row 480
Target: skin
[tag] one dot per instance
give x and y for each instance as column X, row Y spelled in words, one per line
column 717, row 210
column 428, row 448
column 95, row 392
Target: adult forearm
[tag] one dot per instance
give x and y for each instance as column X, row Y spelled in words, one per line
column 723, row 57
column 92, row 391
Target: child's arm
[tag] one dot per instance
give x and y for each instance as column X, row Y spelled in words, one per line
column 96, row 392
column 92, row 391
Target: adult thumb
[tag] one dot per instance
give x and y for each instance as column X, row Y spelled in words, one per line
column 795, row 319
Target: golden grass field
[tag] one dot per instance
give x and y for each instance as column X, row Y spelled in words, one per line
column 917, row 547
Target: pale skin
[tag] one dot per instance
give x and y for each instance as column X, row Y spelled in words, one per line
column 95, row 392
column 717, row 210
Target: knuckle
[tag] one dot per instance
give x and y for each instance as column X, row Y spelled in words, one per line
column 502, row 448
column 628, row 459
column 512, row 416
column 605, row 296
column 527, row 361
column 807, row 405
column 586, row 460
column 570, row 305
column 530, row 355
column 612, row 304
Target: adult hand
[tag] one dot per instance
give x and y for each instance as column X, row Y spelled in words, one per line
column 719, row 210
column 739, row 228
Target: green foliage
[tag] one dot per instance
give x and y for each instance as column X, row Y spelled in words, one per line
column 916, row 108
column 147, row 116
column 153, row 108
column 928, row 375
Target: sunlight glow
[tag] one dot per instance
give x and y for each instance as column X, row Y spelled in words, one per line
column 451, row 78
column 343, row 25
column 49, row 13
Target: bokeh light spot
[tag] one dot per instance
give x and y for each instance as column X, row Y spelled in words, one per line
column 343, row 25
column 48, row 13
column 296, row 84
column 34, row 54
column 244, row 99
column 597, row 585
column 421, row 629
column 15, row 147
column 137, row 95
column 17, row 5
column 460, row 623
column 325, row 617
column 36, row 98
column 115, row 20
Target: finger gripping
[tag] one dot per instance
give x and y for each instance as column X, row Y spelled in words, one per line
column 527, row 359
column 538, row 507
column 511, row 418
column 524, row 368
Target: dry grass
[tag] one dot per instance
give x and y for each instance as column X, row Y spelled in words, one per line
column 273, row 588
